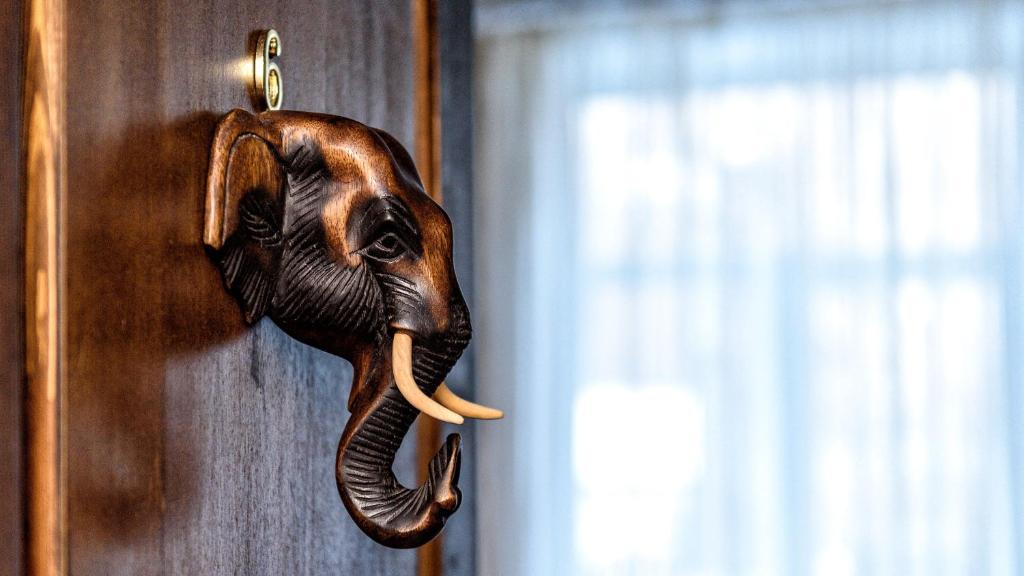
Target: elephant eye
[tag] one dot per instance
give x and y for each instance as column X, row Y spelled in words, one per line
column 388, row 247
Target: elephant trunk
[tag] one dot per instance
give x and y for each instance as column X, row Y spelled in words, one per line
column 385, row 510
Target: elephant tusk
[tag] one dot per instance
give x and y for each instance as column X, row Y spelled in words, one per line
column 401, row 362
column 450, row 400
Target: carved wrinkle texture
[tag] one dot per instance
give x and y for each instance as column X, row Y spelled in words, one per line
column 313, row 290
column 366, row 479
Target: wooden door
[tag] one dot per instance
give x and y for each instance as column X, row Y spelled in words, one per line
column 160, row 434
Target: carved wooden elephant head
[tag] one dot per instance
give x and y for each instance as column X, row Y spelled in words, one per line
column 322, row 224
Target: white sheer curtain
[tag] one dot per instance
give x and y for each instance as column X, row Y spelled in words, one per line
column 750, row 289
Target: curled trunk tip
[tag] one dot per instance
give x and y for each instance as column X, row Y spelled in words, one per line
column 386, row 511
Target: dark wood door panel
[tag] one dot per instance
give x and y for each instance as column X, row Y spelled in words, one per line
column 12, row 336
column 197, row 445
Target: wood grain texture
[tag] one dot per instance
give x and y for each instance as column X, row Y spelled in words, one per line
column 455, row 70
column 12, row 307
column 198, row 445
column 44, row 314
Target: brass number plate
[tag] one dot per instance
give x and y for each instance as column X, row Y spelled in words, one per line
column 267, row 74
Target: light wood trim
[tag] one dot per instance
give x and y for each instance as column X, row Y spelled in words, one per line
column 427, row 107
column 44, row 282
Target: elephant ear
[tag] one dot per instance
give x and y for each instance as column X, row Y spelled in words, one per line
column 244, row 208
column 406, row 166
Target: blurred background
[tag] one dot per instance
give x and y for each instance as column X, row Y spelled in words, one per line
column 750, row 287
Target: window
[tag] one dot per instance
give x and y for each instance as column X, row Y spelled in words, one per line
column 763, row 279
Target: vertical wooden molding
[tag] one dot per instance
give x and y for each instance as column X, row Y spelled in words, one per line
column 427, row 108
column 44, row 280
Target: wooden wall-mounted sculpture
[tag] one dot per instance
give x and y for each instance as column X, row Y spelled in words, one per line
column 322, row 224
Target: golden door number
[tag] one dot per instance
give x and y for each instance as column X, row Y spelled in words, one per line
column 267, row 74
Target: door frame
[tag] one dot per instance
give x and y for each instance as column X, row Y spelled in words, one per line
column 33, row 535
